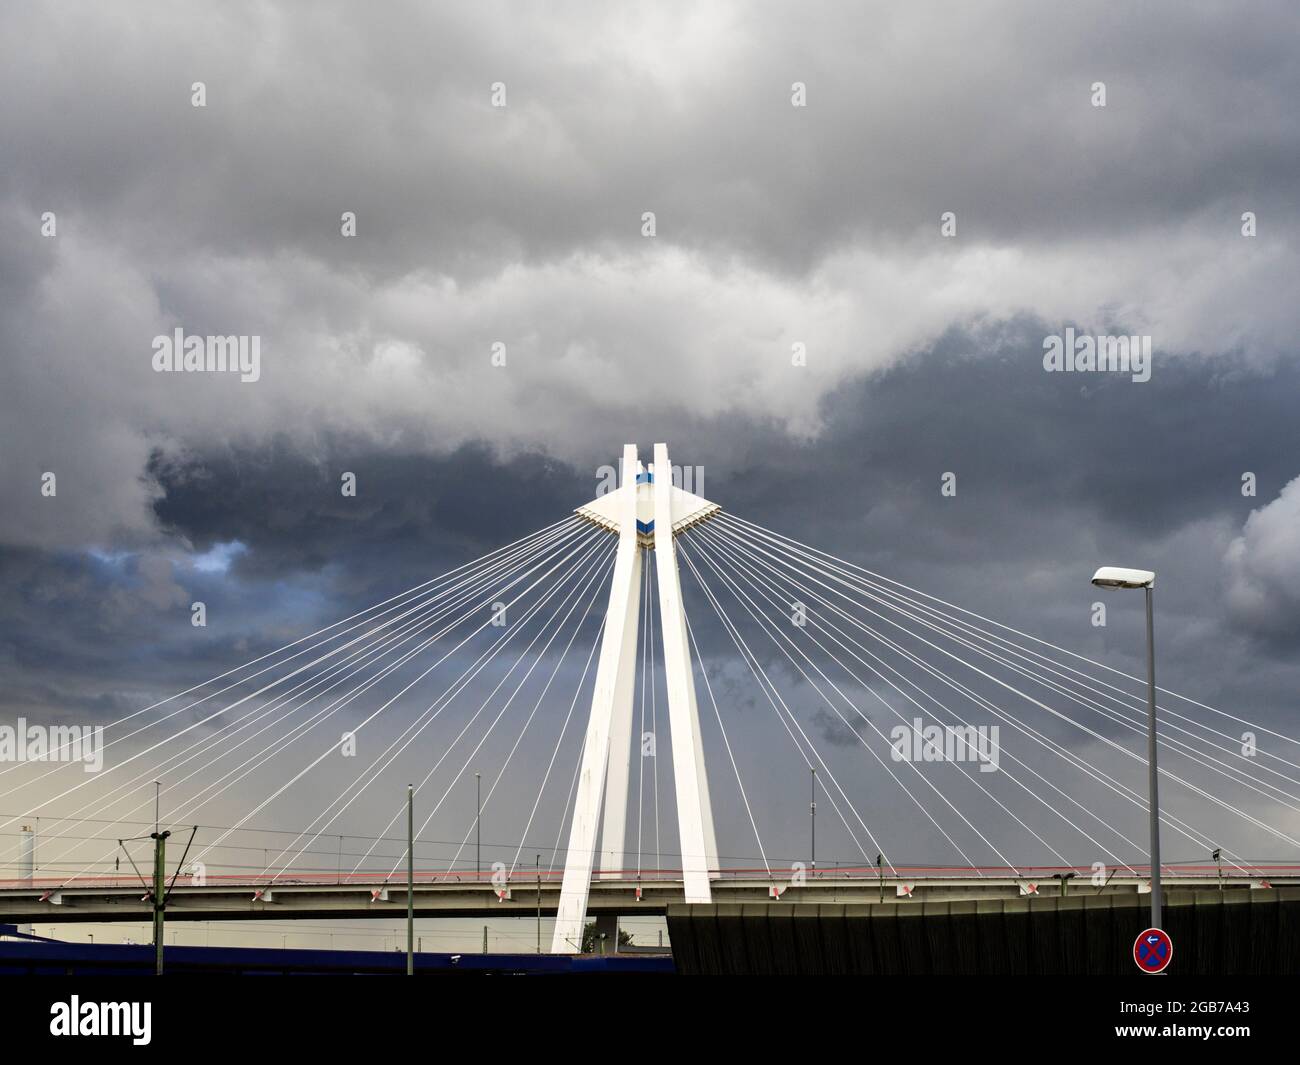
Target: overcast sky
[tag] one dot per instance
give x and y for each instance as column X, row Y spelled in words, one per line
column 774, row 226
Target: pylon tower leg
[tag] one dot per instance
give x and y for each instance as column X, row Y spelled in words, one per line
column 614, row 662
column 694, row 811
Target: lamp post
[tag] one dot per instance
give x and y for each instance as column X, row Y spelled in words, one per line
column 812, row 810
column 1116, row 577
column 410, row 880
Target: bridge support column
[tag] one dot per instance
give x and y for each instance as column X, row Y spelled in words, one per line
column 694, row 810
column 615, row 672
column 605, row 768
column 613, row 825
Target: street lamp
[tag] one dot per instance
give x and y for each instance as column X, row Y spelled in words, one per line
column 1116, row 577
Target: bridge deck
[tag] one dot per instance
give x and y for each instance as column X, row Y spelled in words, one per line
column 242, row 898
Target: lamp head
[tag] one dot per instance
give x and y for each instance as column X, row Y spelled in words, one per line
column 1118, row 577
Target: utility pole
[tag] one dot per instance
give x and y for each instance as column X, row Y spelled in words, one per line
column 28, row 863
column 478, row 834
column 880, row 868
column 1218, row 861
column 812, row 810
column 485, row 949
column 159, row 895
column 410, row 880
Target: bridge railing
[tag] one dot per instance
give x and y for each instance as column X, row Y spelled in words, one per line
column 648, row 877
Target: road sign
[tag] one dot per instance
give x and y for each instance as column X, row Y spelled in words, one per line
column 1153, row 950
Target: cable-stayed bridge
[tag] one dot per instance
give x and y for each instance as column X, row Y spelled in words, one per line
column 825, row 725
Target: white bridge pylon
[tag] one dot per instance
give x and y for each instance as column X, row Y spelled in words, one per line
column 646, row 509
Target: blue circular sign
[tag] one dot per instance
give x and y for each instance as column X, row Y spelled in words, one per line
column 1153, row 950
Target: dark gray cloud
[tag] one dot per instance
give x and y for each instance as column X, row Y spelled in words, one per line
column 680, row 111
column 777, row 225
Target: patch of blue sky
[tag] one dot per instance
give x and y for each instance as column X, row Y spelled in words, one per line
column 218, row 557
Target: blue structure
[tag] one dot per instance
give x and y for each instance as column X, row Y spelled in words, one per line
column 31, row 957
